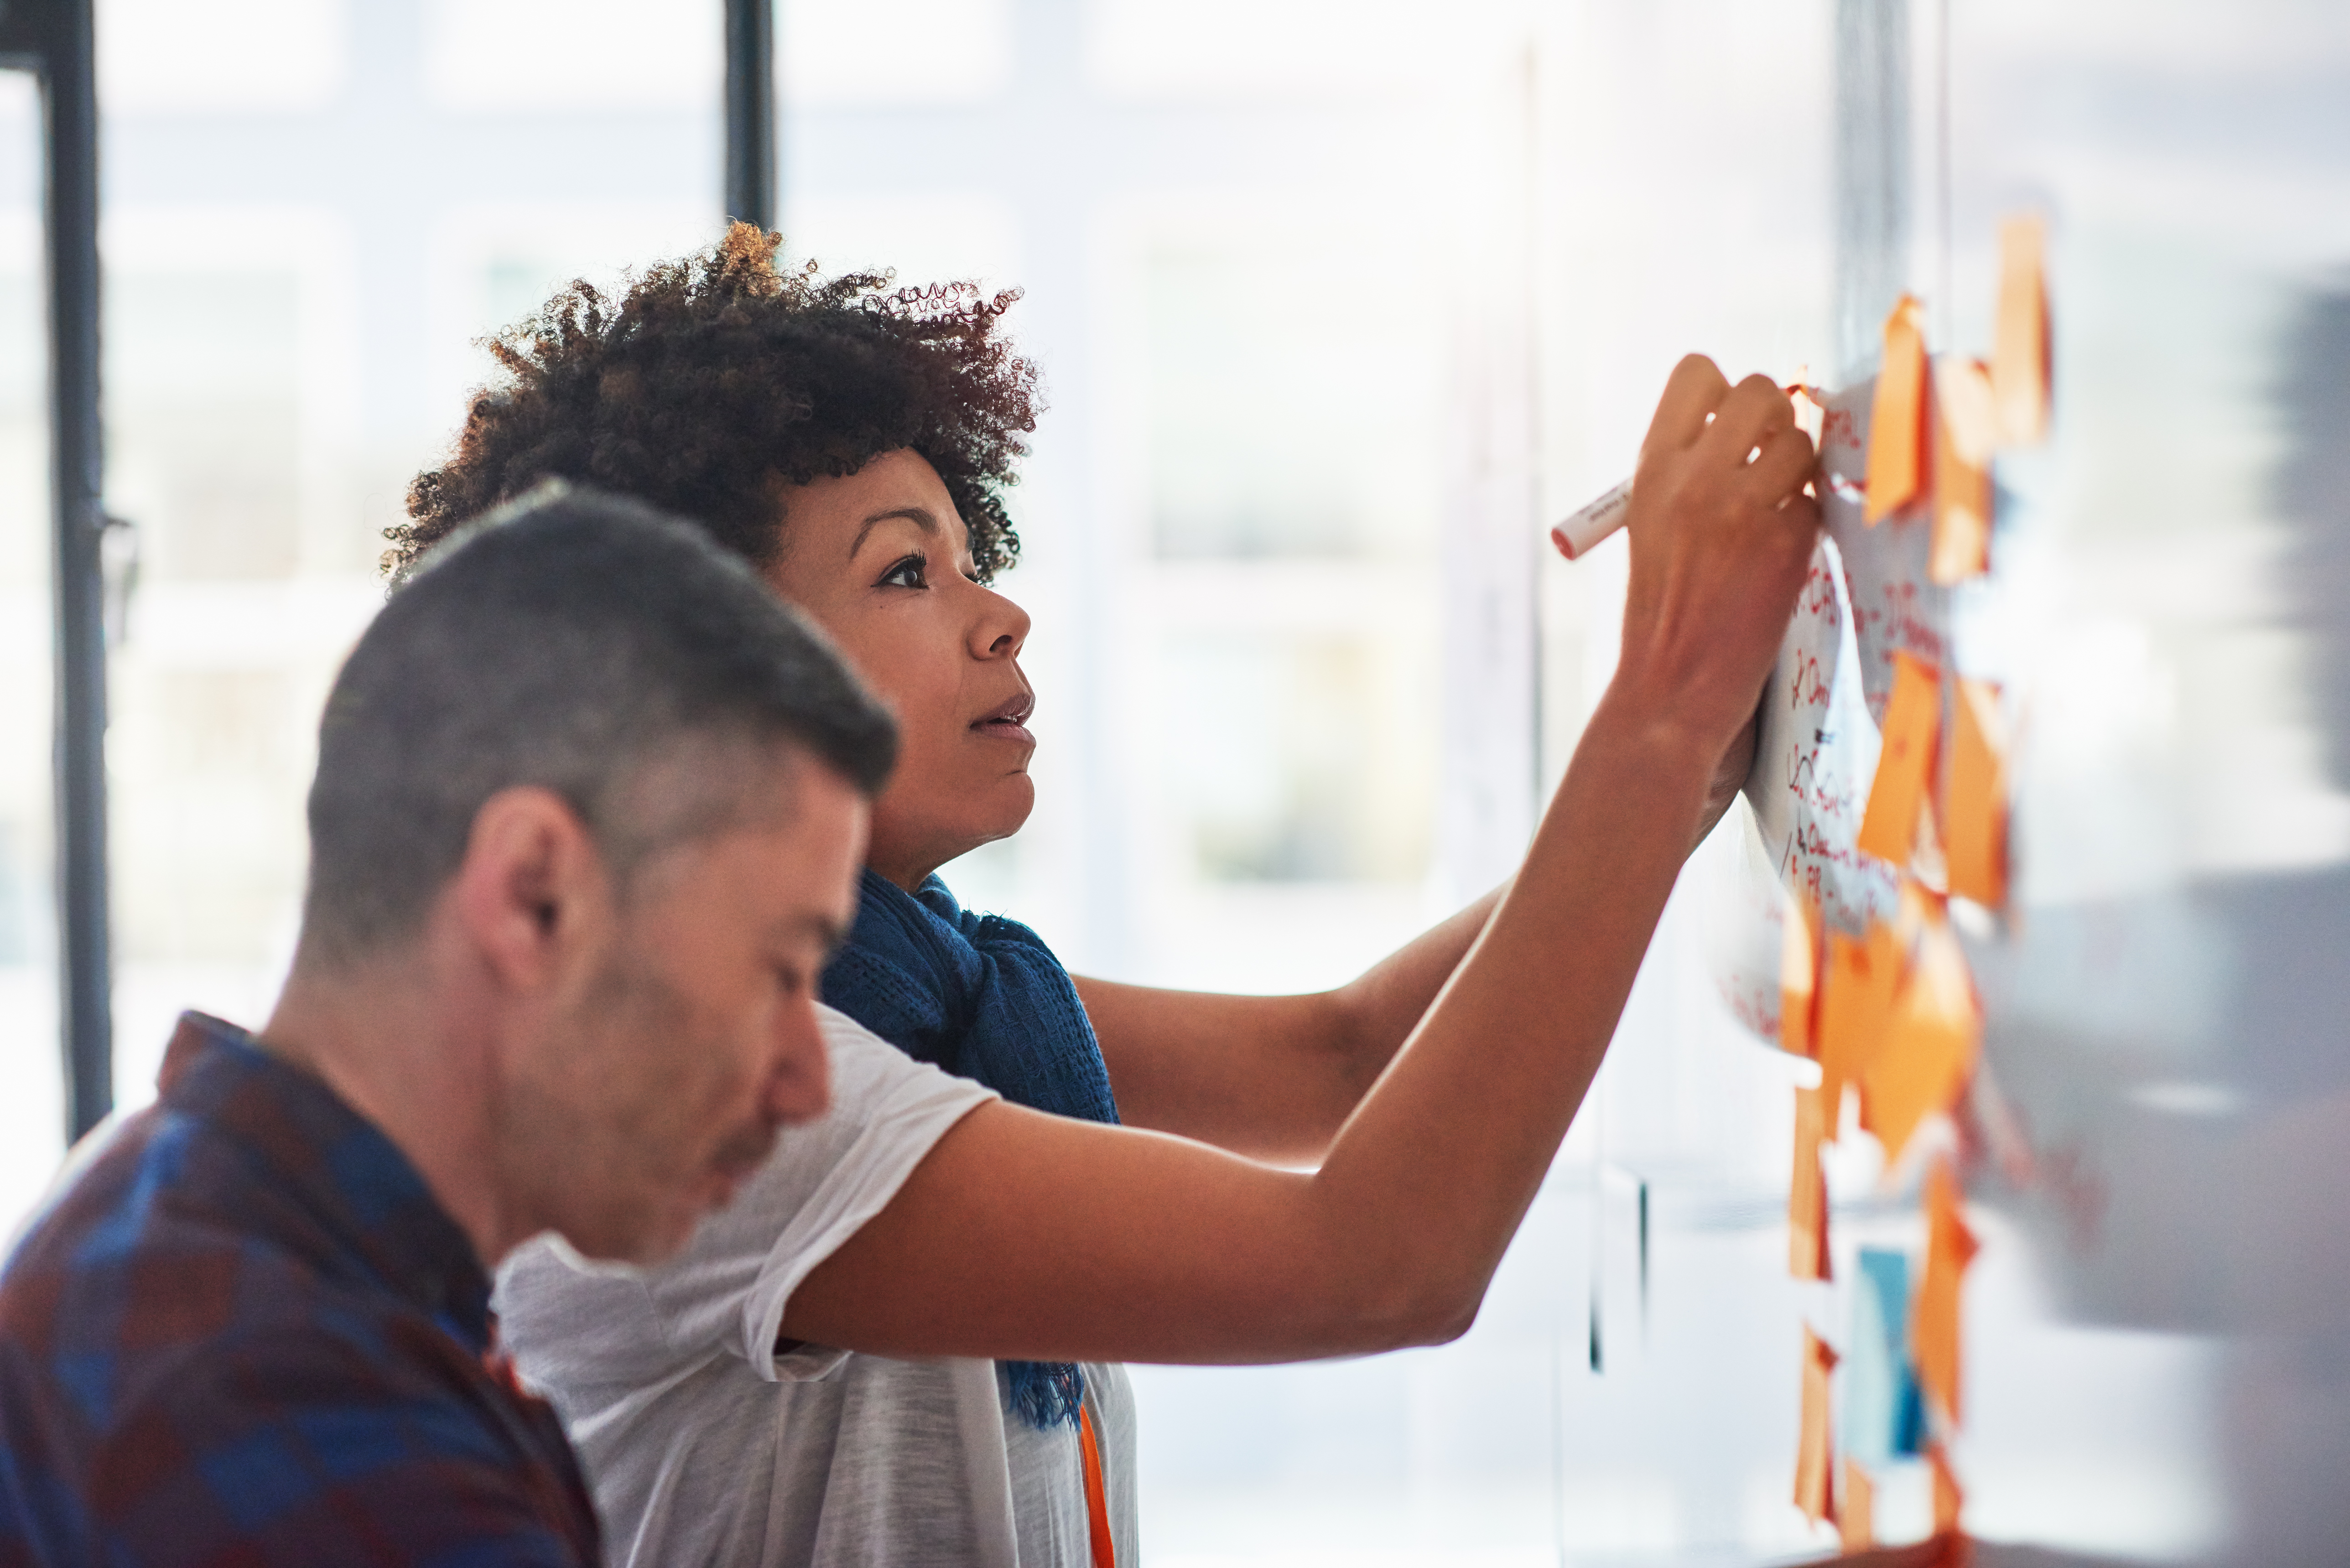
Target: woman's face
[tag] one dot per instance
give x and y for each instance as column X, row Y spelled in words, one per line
column 879, row 559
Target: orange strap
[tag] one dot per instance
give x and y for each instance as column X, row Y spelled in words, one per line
column 1097, row 1498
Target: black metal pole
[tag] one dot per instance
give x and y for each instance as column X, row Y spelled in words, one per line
column 70, row 93
column 751, row 112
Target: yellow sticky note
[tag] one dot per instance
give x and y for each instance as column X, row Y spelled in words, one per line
column 1966, row 427
column 1897, row 416
column 1930, row 1046
column 1949, row 1499
column 1934, row 1317
column 1799, row 976
column 2019, row 348
column 1857, row 1510
column 1815, row 1450
column 1856, row 990
column 1974, row 806
column 1913, row 721
column 1807, row 1192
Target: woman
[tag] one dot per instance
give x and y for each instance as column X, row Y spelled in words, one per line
column 854, row 444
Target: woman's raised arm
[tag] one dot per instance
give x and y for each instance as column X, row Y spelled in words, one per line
column 1023, row 1235
column 1274, row 1077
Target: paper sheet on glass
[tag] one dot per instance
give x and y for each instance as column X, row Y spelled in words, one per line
column 1815, row 751
column 1897, row 606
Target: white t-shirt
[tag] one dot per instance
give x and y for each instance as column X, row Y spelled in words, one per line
column 704, row 1445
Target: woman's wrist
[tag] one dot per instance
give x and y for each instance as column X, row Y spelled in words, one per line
column 1654, row 721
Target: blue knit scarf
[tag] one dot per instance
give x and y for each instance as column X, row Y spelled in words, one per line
column 983, row 998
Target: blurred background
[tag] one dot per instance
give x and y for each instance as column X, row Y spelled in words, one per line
column 1337, row 306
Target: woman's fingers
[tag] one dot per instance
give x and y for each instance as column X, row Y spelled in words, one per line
column 1754, row 410
column 1782, row 465
column 1696, row 388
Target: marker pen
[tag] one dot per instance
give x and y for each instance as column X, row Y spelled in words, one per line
column 1591, row 523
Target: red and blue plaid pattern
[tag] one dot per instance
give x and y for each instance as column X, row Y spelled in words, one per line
column 245, row 1334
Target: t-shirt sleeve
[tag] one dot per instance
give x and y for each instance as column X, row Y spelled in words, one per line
column 572, row 1323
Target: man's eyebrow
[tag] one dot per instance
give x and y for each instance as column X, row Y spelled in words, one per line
column 920, row 517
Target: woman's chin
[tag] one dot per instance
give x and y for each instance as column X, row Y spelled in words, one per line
column 1009, row 810
column 1005, row 811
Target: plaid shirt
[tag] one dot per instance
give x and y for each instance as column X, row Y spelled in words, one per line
column 245, row 1334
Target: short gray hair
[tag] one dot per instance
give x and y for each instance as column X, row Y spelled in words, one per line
column 572, row 640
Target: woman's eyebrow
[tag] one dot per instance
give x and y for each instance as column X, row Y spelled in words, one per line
column 918, row 515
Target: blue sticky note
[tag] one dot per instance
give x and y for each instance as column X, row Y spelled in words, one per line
column 1884, row 1416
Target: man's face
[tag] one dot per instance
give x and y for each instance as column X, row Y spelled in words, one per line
column 660, row 1081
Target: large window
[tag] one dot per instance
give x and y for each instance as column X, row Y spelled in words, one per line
column 314, row 209
column 1335, row 305
column 31, row 1083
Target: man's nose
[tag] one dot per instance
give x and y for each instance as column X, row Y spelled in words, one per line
column 799, row 1089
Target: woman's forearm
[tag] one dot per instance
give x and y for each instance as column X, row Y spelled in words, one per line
column 1450, row 1147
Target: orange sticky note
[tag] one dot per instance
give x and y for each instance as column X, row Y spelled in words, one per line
column 1857, row 1518
column 1815, row 1451
column 1799, row 976
column 1948, row 1498
column 1974, row 797
column 1913, row 721
column 1856, row 990
column 1966, row 427
column 1930, row 1046
column 1934, row 1317
column 2019, row 349
column 1897, row 416
column 1807, row 1192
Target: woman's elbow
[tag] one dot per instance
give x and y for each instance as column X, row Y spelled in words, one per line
column 1445, row 1318
column 1383, row 1317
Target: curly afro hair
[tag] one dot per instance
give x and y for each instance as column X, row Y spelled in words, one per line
column 716, row 379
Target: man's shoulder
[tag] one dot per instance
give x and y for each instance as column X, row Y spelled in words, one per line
column 178, row 1381
column 285, row 1443
column 155, row 1269
column 121, row 1239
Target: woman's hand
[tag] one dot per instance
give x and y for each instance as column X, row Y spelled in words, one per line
column 1721, row 538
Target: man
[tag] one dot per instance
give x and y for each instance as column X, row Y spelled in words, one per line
column 588, row 814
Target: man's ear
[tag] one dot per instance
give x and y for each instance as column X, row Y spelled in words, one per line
column 532, row 890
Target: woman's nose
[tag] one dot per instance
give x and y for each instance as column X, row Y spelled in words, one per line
column 1002, row 630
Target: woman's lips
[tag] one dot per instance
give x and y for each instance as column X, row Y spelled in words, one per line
column 1005, row 730
column 1009, row 722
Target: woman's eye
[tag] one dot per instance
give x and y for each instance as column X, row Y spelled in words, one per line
column 909, row 572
